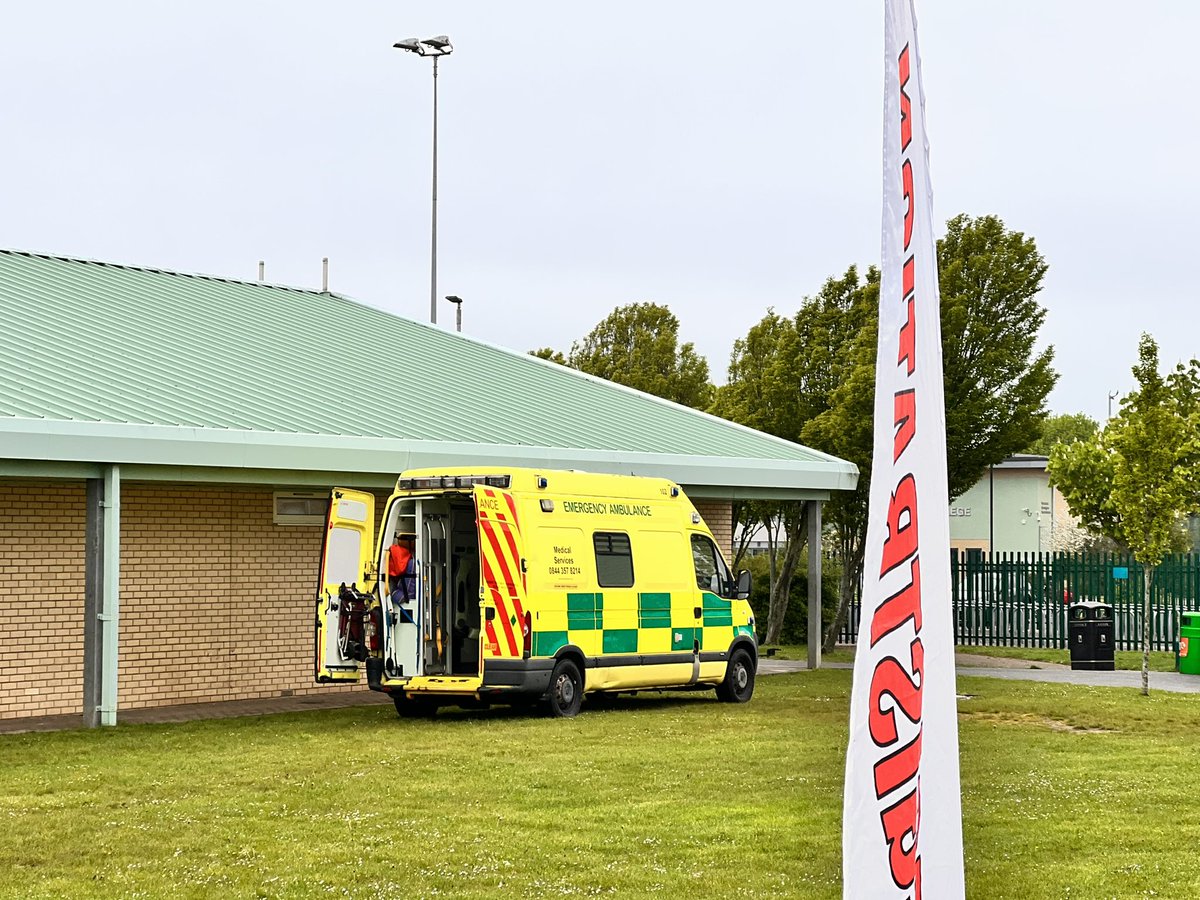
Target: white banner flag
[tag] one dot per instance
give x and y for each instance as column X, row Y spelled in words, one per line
column 902, row 814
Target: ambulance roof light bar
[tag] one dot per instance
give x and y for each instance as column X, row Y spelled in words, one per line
column 440, row 482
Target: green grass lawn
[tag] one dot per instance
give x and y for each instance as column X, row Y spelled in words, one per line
column 1067, row 792
column 800, row 651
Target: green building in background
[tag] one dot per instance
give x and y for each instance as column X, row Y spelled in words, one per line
column 1013, row 509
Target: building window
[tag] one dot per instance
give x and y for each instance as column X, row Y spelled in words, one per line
column 301, row 508
column 614, row 559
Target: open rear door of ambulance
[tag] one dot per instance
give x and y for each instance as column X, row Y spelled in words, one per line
column 345, row 564
column 506, row 628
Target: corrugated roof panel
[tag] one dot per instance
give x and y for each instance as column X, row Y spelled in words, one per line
column 94, row 342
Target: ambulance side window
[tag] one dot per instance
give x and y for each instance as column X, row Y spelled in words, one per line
column 711, row 574
column 614, row 559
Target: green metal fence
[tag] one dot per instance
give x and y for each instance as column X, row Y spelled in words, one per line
column 1021, row 599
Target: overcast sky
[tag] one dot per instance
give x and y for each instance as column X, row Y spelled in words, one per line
column 718, row 158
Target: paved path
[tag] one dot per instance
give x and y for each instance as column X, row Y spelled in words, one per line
column 987, row 667
column 1022, row 670
column 1159, row 681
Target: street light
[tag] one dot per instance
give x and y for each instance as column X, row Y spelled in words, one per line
column 434, row 47
column 457, row 301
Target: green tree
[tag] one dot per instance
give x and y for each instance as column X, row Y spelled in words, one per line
column 751, row 397
column 1134, row 480
column 996, row 385
column 1065, row 428
column 638, row 346
column 549, row 353
column 811, row 379
column 846, row 429
column 784, row 375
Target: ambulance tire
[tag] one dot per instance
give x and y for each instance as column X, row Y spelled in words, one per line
column 565, row 696
column 414, row 709
column 738, row 686
column 601, row 699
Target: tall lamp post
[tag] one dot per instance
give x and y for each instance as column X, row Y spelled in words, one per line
column 434, row 47
column 457, row 301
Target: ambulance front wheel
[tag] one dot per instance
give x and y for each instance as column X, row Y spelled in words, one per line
column 738, row 686
column 565, row 696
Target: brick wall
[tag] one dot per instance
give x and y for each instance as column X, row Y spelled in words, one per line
column 41, row 598
column 718, row 516
column 216, row 600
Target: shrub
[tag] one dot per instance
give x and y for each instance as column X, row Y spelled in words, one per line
column 795, row 622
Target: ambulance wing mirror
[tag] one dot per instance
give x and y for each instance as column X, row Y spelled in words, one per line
column 743, row 584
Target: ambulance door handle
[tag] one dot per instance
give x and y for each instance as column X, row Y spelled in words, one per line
column 696, row 612
column 489, row 613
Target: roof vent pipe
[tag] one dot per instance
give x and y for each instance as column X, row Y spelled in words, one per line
column 262, row 270
column 324, row 274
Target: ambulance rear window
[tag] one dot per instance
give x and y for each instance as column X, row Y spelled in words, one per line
column 614, row 559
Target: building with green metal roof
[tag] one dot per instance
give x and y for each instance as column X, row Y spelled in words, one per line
column 143, row 411
column 151, row 368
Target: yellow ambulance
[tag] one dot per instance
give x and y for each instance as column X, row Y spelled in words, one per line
column 527, row 585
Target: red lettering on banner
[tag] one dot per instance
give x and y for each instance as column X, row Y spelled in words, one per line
column 908, row 339
column 907, row 175
column 898, row 768
column 901, row 827
column 904, row 417
column 897, row 609
column 892, row 680
column 901, row 542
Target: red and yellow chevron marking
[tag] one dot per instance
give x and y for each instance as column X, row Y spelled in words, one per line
column 512, row 507
column 500, row 557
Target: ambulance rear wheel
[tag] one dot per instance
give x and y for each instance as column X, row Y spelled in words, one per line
column 416, row 708
column 738, row 686
column 565, row 696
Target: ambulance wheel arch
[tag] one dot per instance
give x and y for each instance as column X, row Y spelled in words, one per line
column 744, row 643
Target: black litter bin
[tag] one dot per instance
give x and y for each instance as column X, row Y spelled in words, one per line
column 1090, row 633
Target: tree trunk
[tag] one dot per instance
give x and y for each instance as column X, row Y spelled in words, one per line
column 839, row 618
column 782, row 588
column 1147, row 575
column 772, row 526
column 747, row 532
column 847, row 585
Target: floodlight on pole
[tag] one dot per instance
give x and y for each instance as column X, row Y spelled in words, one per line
column 457, row 301
column 434, row 47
